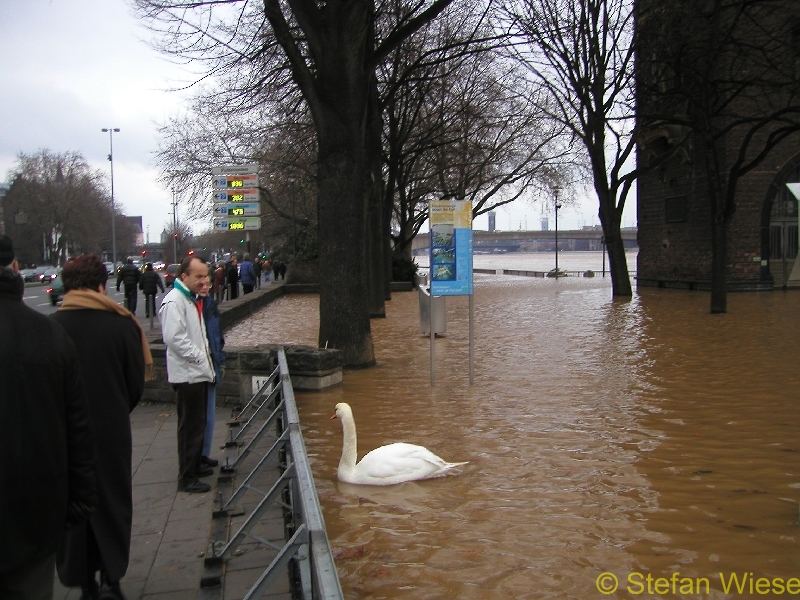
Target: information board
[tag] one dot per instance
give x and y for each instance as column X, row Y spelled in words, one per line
column 451, row 247
column 238, row 209
column 245, row 224
column 236, row 197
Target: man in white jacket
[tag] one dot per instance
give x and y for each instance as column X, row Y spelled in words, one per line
column 189, row 368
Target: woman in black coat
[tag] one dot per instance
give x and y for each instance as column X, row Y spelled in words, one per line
column 113, row 359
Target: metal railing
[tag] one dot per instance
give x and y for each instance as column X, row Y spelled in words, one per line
column 272, row 413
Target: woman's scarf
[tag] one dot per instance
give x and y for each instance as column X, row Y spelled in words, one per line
column 86, row 298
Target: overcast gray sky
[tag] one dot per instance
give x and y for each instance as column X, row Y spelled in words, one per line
column 72, row 67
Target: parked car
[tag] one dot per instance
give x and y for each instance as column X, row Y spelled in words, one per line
column 49, row 274
column 55, row 290
column 169, row 274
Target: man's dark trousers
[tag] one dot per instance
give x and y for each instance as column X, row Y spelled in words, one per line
column 131, row 297
column 191, row 404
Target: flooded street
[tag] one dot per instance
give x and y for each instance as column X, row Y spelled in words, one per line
column 637, row 437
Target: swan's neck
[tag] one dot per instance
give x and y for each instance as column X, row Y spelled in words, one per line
column 349, row 444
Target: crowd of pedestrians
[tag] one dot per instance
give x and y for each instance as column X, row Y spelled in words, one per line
column 68, row 384
column 227, row 280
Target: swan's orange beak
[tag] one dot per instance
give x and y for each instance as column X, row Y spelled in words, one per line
column 333, row 416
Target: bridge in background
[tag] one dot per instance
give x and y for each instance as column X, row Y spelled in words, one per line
column 589, row 239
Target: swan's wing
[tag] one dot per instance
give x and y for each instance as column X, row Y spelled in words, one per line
column 400, row 462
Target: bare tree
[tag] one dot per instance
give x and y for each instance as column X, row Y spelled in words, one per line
column 581, row 52
column 720, row 81
column 331, row 51
column 460, row 121
column 59, row 206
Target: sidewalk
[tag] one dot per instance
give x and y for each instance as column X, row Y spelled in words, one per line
column 170, row 529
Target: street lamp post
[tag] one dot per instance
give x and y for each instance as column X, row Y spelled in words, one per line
column 174, row 226
column 556, row 191
column 111, row 131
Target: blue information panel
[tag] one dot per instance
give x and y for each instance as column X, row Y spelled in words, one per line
column 451, row 247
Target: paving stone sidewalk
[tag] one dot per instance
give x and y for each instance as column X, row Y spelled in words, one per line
column 170, row 530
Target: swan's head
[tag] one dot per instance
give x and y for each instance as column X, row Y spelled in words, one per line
column 342, row 409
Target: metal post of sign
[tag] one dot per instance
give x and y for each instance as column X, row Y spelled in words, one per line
column 430, row 325
column 471, row 338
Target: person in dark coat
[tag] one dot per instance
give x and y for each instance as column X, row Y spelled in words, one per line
column 276, row 269
column 232, row 275
column 247, row 275
column 218, row 287
column 216, row 343
column 257, row 266
column 47, row 474
column 129, row 275
column 150, row 282
column 115, row 360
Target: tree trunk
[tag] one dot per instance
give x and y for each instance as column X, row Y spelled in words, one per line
column 344, row 300
column 376, row 248
column 617, row 262
column 611, row 219
column 719, row 266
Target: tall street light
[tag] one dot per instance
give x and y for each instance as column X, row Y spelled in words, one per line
column 556, row 191
column 111, row 131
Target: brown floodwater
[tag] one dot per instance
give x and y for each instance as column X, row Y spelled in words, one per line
column 639, row 437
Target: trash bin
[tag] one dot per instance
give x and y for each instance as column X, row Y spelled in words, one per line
column 439, row 311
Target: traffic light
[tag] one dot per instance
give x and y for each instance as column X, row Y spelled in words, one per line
column 144, row 252
column 241, row 241
column 191, row 252
column 175, row 235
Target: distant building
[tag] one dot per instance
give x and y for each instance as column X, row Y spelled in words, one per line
column 544, row 224
column 674, row 211
column 492, row 216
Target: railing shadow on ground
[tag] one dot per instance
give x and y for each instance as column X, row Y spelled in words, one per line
column 265, row 452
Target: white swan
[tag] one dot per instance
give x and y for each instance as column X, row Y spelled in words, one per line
column 387, row 465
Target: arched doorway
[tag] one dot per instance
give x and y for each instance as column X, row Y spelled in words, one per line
column 783, row 223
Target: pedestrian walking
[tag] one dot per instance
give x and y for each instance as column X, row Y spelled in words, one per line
column 218, row 289
column 247, row 275
column 276, row 269
column 257, row 271
column 189, row 368
column 129, row 274
column 282, row 269
column 150, row 283
column 47, row 475
column 114, row 358
column 267, row 268
column 216, row 343
column 232, row 275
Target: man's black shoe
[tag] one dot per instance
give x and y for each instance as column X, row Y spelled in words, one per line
column 196, row 487
column 204, row 471
column 211, row 462
column 90, row 591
